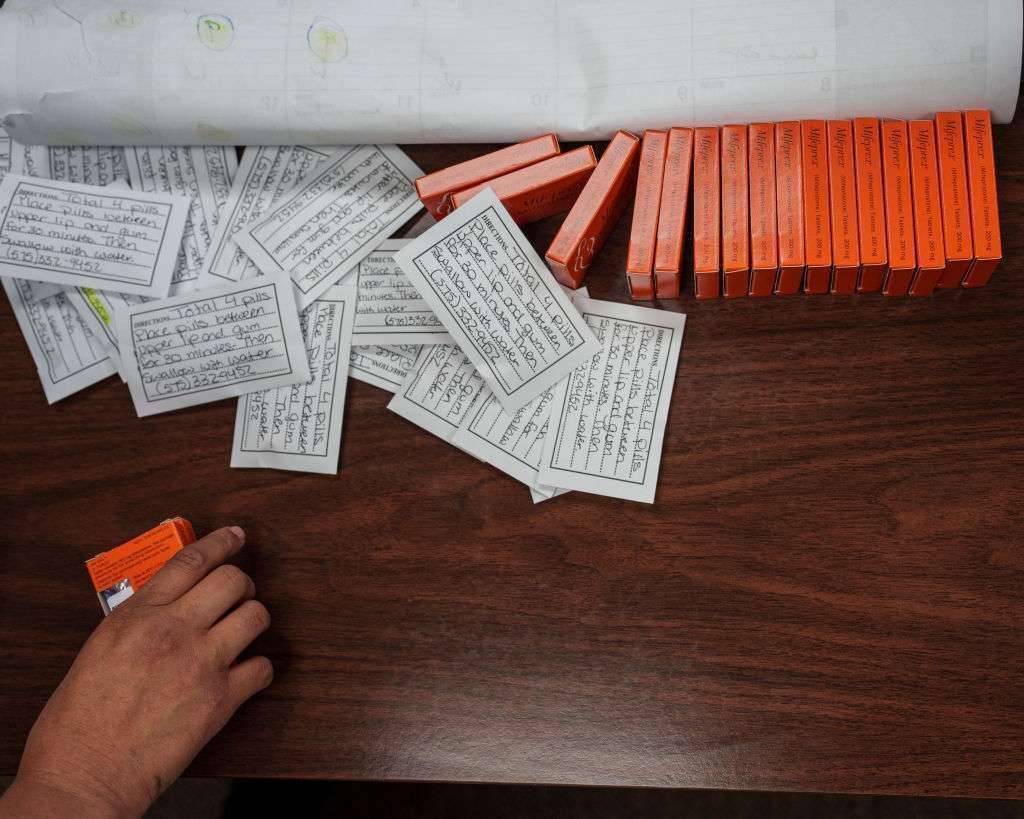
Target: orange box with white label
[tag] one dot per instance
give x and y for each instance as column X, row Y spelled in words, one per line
column 707, row 228
column 981, row 181
column 817, row 228
column 867, row 155
column 435, row 189
column 643, row 233
column 119, row 573
column 542, row 189
column 675, row 191
column 789, row 202
column 924, row 177
column 735, row 213
column 899, row 208
column 956, row 208
column 764, row 241
column 598, row 208
column 842, row 187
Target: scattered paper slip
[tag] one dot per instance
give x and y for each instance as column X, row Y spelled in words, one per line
column 440, row 389
column 98, row 309
column 89, row 236
column 499, row 301
column 321, row 232
column 390, row 310
column 384, row 366
column 6, row 153
column 299, row 427
column 218, row 343
column 265, row 175
column 67, row 355
column 608, row 417
column 84, row 164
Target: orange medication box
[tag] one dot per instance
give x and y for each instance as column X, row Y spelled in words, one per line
column 735, row 213
column 899, row 209
column 675, row 191
column 707, row 251
column 956, row 209
column 818, row 238
column 842, row 186
column 116, row 575
column 543, row 189
column 867, row 156
column 790, row 207
column 764, row 249
column 646, row 204
column 435, row 189
column 924, row 177
column 598, row 208
column 981, row 180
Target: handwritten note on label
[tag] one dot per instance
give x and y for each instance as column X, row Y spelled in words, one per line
column 439, row 390
column 608, row 417
column 217, row 343
column 88, row 236
column 6, row 154
column 67, row 355
column 299, row 427
column 384, row 366
column 98, row 309
column 498, row 300
column 322, row 231
column 87, row 164
column 390, row 309
column 266, row 174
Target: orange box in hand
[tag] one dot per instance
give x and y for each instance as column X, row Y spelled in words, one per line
column 956, row 208
column 675, row 191
column 707, row 226
column 843, row 199
column 435, row 189
column 981, row 180
column 790, row 207
column 643, row 234
column 817, row 230
column 735, row 213
column 899, row 208
column 924, row 176
column 542, row 189
column 764, row 247
column 867, row 156
column 598, row 208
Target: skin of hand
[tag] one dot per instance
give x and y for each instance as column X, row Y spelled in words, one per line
column 151, row 686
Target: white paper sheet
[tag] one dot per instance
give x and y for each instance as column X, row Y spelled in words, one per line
column 384, row 366
column 218, row 343
column 89, row 236
column 608, row 417
column 84, row 164
column 323, row 229
column 299, row 427
column 390, row 310
column 99, row 309
column 284, row 72
column 265, row 175
column 498, row 300
column 67, row 355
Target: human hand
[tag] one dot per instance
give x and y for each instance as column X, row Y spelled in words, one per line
column 151, row 686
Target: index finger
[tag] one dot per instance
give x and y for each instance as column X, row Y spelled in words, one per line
column 191, row 564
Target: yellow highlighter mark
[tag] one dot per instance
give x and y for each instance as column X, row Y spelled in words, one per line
column 327, row 40
column 216, row 31
column 96, row 304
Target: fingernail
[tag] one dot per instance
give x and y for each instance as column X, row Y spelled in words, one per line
column 238, row 532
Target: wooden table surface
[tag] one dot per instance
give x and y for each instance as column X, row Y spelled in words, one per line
column 826, row 596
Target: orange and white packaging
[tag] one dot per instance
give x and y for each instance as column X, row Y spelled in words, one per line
column 707, row 245
column 789, row 200
column 598, row 208
column 842, row 185
column 924, row 176
column 435, row 189
column 643, row 234
column 539, row 190
column 981, row 180
column 956, row 207
column 899, row 208
column 817, row 228
column 764, row 240
column 867, row 155
column 735, row 213
column 675, row 193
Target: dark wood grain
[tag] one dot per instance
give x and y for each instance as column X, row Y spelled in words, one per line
column 827, row 594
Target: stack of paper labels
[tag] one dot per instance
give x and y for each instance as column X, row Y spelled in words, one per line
column 271, row 280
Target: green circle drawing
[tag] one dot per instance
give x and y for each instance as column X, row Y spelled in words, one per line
column 327, row 40
column 216, row 31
